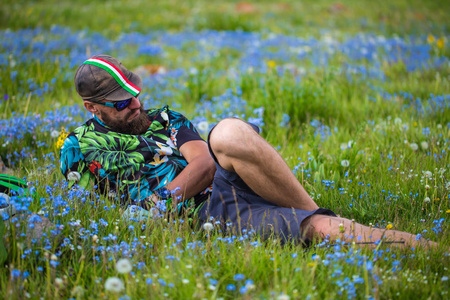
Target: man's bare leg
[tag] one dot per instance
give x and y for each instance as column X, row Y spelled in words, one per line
column 321, row 226
column 238, row 148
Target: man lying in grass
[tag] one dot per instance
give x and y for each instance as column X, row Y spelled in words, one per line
column 149, row 157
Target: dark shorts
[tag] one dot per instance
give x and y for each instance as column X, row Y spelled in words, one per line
column 233, row 202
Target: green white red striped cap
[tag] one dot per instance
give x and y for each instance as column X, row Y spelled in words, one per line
column 103, row 77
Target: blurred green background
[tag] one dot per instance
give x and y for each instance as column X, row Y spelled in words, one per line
column 309, row 17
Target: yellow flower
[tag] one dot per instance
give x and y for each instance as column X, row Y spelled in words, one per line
column 61, row 138
column 158, row 160
column 415, row 124
column 311, row 264
column 430, row 38
column 448, row 211
column 440, row 43
column 389, row 226
column 271, row 64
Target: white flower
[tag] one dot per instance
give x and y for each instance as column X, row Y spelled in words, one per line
column 414, row 146
column 439, row 126
column 249, row 285
column 114, row 284
column 78, row 291
column 170, row 143
column 164, row 150
column 59, row 282
column 73, row 176
column 424, row 145
column 397, row 121
column 54, row 133
column 345, row 163
column 123, row 266
column 193, row 71
column 185, row 281
column 427, row 200
column 283, row 297
column 208, row 227
column 165, row 116
column 203, row 126
column 428, row 174
column 447, row 186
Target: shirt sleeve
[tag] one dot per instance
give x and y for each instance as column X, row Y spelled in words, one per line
column 182, row 130
column 72, row 160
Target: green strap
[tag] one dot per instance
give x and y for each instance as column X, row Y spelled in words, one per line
column 10, row 178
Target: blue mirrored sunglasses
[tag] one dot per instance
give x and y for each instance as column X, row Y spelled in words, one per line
column 119, row 105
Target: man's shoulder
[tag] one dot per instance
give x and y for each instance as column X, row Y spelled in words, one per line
column 80, row 130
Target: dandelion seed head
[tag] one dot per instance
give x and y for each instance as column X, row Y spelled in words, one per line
column 59, row 282
column 78, row 291
column 123, row 266
column 345, row 163
column 283, row 297
column 208, row 226
column 114, row 284
column 203, row 126
column 73, row 176
column 424, row 145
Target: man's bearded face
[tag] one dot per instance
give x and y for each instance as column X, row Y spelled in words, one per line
column 123, row 124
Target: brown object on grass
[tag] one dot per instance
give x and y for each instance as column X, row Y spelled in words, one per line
column 147, row 70
column 4, row 169
column 245, row 8
column 337, row 7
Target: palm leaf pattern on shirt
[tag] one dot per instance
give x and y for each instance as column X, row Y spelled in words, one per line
column 131, row 164
column 114, row 152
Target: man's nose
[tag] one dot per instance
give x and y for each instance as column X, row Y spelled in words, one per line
column 135, row 104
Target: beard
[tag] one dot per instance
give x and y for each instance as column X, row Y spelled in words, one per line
column 137, row 126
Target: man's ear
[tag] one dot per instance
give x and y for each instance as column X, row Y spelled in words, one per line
column 90, row 107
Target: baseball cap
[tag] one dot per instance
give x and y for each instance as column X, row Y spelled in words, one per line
column 104, row 77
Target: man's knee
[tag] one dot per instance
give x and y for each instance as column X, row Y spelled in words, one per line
column 227, row 134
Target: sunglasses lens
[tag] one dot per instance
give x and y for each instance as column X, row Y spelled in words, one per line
column 121, row 105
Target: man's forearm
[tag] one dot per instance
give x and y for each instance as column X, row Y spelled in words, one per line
column 196, row 177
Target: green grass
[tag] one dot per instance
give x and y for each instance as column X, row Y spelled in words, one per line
column 288, row 17
column 385, row 181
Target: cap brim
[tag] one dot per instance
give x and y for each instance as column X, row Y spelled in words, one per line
column 122, row 94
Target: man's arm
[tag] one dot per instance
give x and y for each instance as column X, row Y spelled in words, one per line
column 197, row 175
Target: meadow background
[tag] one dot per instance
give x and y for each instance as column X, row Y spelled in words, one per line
column 355, row 95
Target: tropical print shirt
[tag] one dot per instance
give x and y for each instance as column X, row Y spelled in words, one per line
column 134, row 166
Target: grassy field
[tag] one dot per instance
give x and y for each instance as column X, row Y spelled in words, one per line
column 355, row 95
